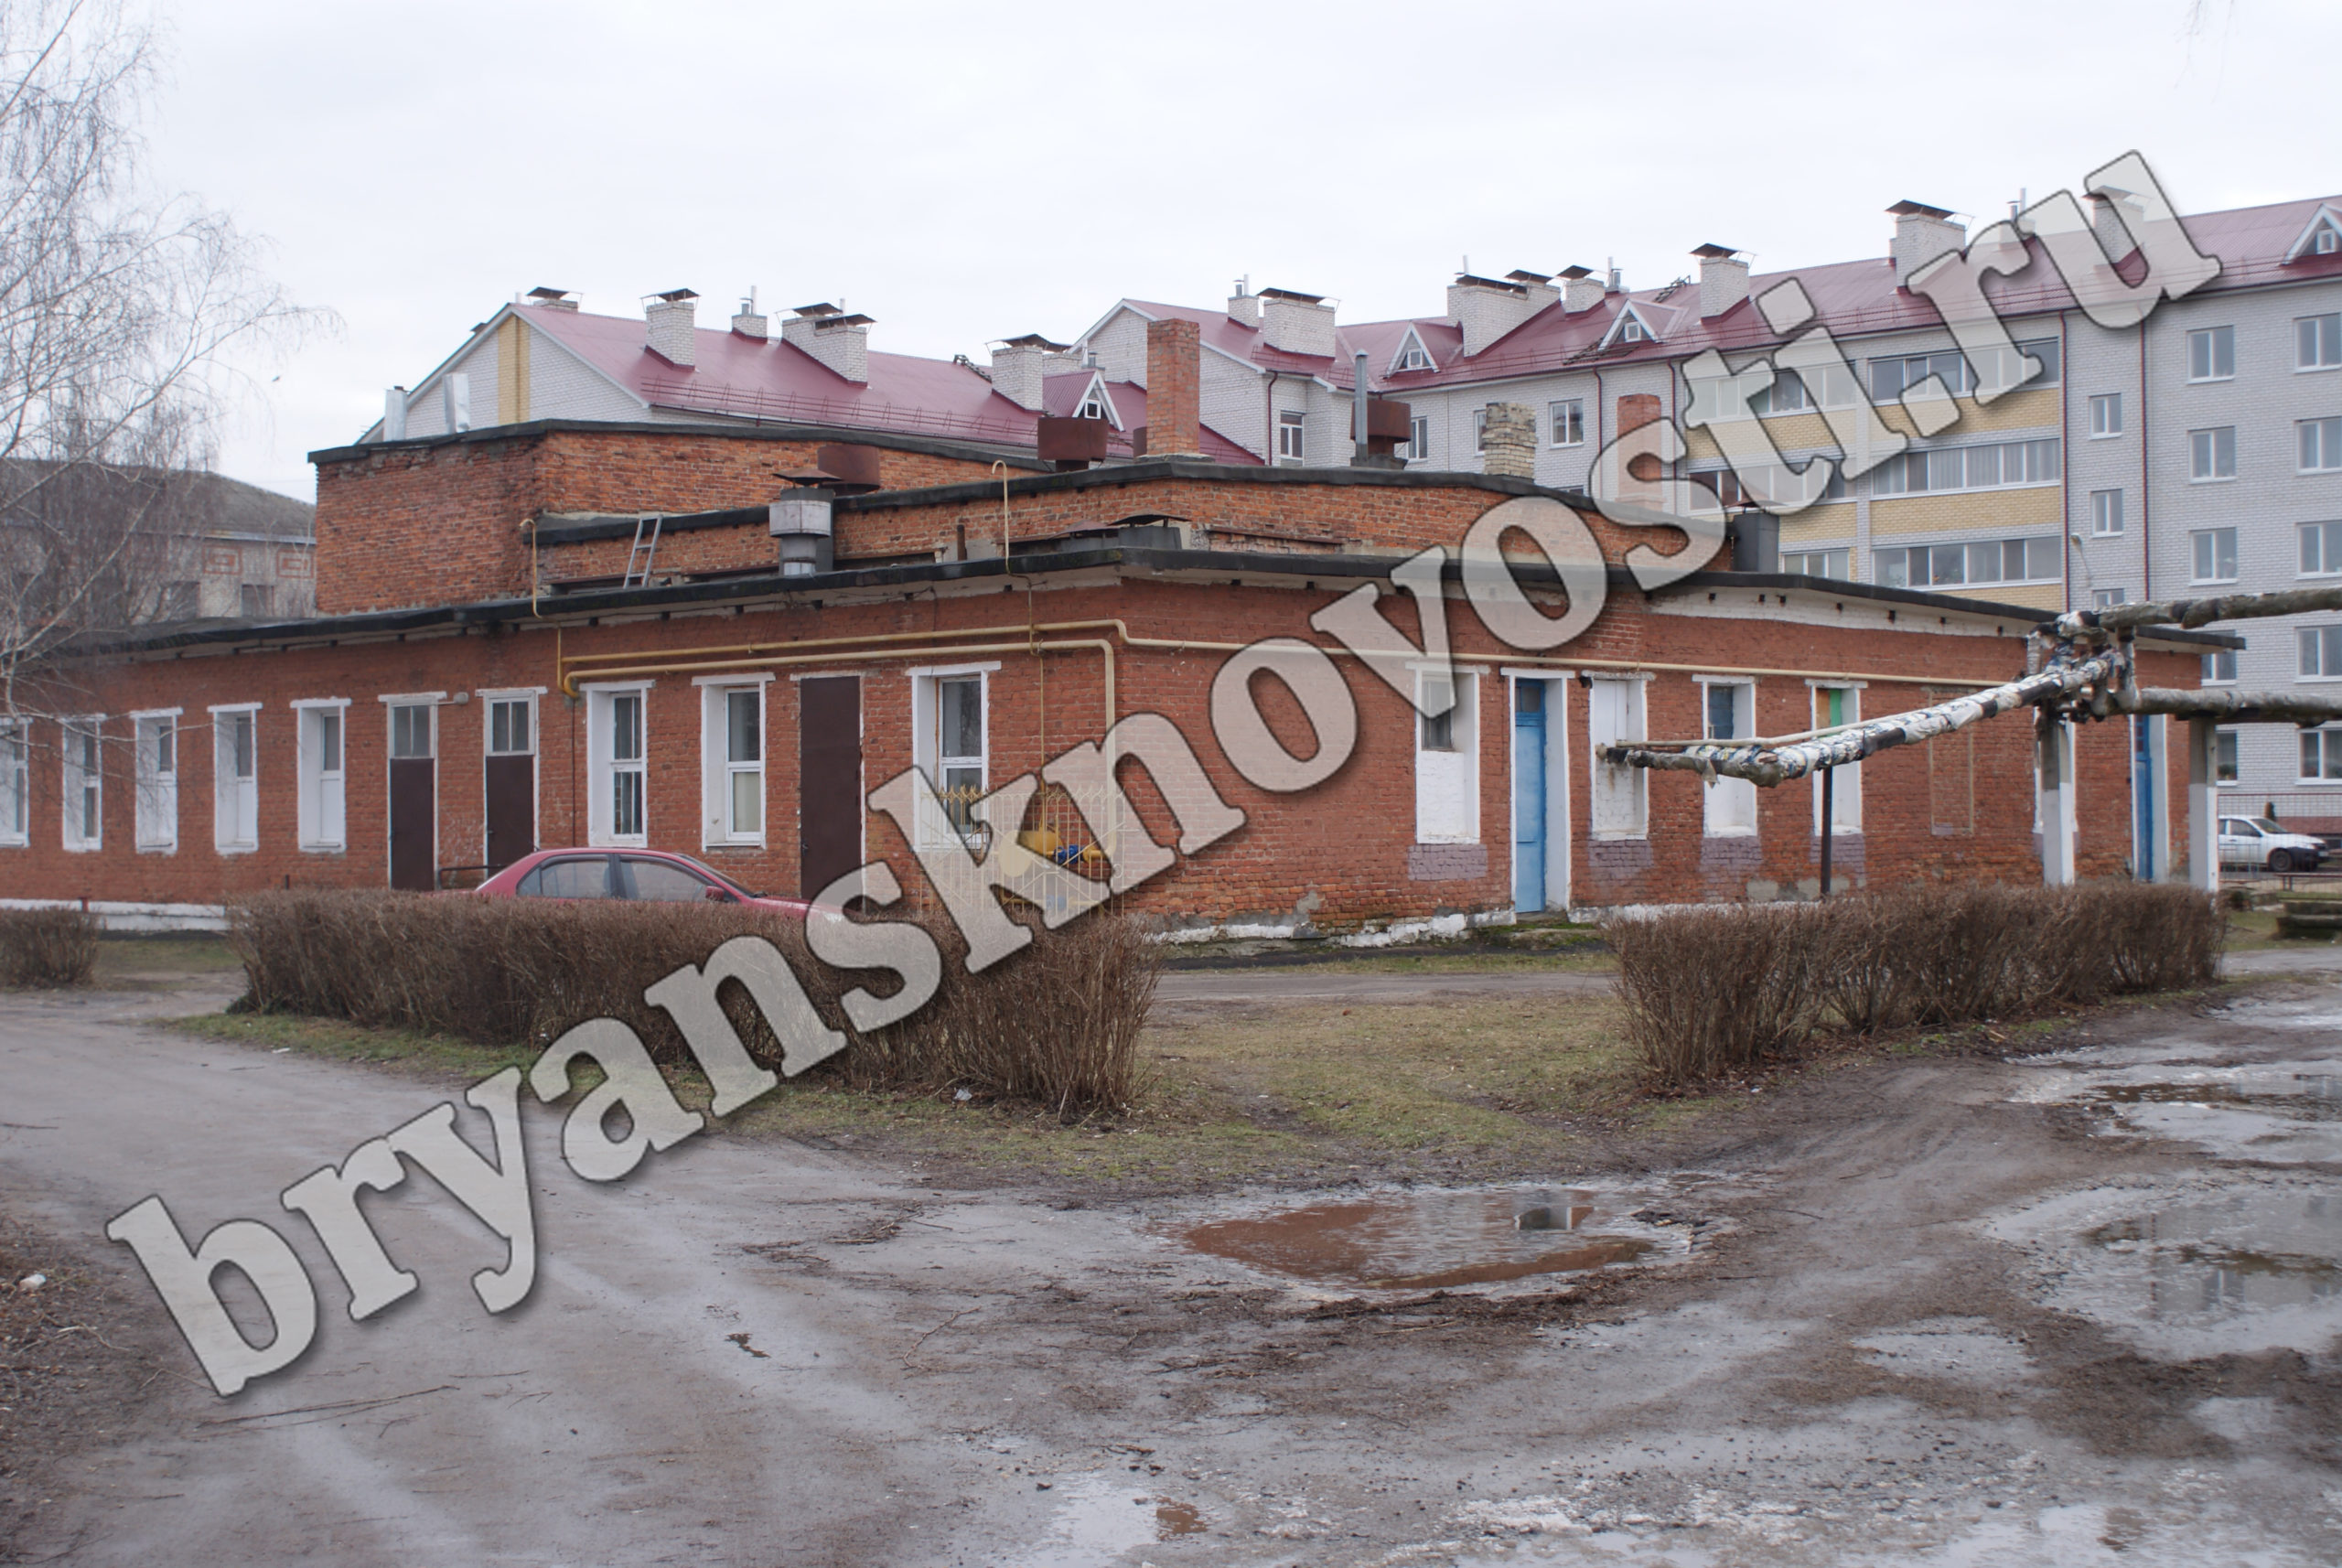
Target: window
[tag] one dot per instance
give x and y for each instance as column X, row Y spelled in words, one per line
column 2320, row 651
column 1565, row 421
column 2107, row 599
column 2035, row 560
column 2321, row 755
column 1835, row 563
column 1631, row 330
column 948, row 720
column 1412, row 358
column 2106, row 514
column 1833, row 708
column 2211, row 354
column 235, row 774
column 2105, row 416
column 1730, row 713
column 1447, row 764
column 2214, row 555
column 1614, row 713
column 617, row 809
column 1889, row 379
column 15, row 784
column 1419, row 438
column 2326, row 242
column 1997, row 466
column 734, row 776
column 1479, row 430
column 2317, row 341
column 1787, row 394
column 2321, row 444
column 573, row 876
column 2000, row 369
column 154, row 774
column 255, row 602
column 322, row 764
column 410, row 729
column 2219, row 669
column 662, row 882
column 84, row 785
column 1092, row 406
column 2321, row 549
column 509, row 727
column 1290, row 433
column 2211, row 453
column 2224, row 749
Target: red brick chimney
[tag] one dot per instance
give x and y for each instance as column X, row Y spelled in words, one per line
column 1174, row 427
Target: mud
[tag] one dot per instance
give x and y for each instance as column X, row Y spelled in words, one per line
column 1914, row 1310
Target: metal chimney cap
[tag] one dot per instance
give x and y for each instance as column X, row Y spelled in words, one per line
column 1908, row 209
column 818, row 308
column 1573, row 272
column 549, row 294
column 1711, row 252
column 675, row 296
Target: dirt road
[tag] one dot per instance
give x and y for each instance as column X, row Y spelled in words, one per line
column 2061, row 1311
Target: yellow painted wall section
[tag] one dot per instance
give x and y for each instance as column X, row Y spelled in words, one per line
column 512, row 361
column 2036, row 509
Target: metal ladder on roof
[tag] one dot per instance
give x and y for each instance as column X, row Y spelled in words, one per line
column 645, row 551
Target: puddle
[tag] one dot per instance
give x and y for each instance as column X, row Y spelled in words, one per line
column 1960, row 1349
column 1176, row 1519
column 2195, row 1269
column 2278, row 1112
column 1436, row 1239
column 1095, row 1520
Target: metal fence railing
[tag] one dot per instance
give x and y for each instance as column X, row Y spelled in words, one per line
column 2318, row 813
column 1072, row 848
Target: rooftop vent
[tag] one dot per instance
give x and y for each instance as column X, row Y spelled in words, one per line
column 671, row 325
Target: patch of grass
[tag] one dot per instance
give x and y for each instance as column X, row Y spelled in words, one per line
column 1465, row 961
column 432, row 1055
column 141, row 962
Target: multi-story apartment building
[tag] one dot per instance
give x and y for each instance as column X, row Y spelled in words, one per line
column 2201, row 450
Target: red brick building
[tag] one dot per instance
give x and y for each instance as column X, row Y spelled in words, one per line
column 500, row 664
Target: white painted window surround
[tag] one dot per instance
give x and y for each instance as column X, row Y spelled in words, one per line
column 950, row 742
column 1615, row 714
column 1447, row 758
column 1727, row 712
column 155, row 773
column 617, row 734
column 85, row 776
column 235, row 778
column 1839, row 702
column 732, row 759
column 321, row 761
column 15, row 784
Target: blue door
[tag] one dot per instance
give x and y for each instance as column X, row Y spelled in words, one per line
column 1529, row 795
column 2142, row 797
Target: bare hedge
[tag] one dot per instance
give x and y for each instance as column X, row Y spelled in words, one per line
column 46, row 947
column 1715, row 991
column 1057, row 1023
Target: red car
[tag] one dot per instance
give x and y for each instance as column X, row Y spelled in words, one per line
column 641, row 875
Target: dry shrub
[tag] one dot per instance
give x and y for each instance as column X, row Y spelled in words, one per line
column 46, row 947
column 1057, row 1023
column 1712, row 991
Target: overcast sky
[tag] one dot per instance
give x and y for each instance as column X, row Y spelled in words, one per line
column 966, row 173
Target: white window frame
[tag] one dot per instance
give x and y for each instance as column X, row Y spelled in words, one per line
column 1292, row 437
column 2105, row 416
column 1565, row 421
column 1617, row 712
column 2107, row 599
column 528, row 698
column 1419, row 438
column 2328, row 742
column 602, row 768
column 15, row 783
column 1879, row 558
column 935, row 828
column 1839, row 555
column 2204, row 454
column 2327, row 548
column 2219, row 668
column 1447, row 778
column 2323, row 333
column 83, row 774
column 1728, row 806
column 235, row 798
column 2197, row 540
column 1412, row 356
column 156, row 829
column 1847, row 789
column 2228, row 755
column 718, row 766
column 1480, row 429
column 2328, row 442
column 2106, row 514
column 2311, row 644
column 323, row 813
column 2211, row 340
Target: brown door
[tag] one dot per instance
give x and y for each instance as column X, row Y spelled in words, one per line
column 511, row 809
column 829, row 777
column 413, row 813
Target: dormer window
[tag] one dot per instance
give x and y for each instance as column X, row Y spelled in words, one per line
column 2323, row 237
column 1631, row 330
column 2327, row 241
column 1092, row 407
column 1413, row 358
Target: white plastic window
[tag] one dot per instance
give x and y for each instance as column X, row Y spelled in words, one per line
column 1292, row 431
column 2106, row 415
column 733, row 766
column 2212, row 554
column 84, row 785
column 511, row 728
column 1729, row 712
column 2211, row 354
column 235, row 773
column 1614, row 714
column 2106, row 514
column 156, row 775
column 2317, row 342
column 617, row 810
column 2211, row 453
column 1565, row 421
column 323, row 764
column 16, row 784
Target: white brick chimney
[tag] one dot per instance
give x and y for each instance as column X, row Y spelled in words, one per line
column 1297, row 323
column 1723, row 279
column 1017, row 366
column 2107, row 210
column 670, row 321
column 839, row 341
column 750, row 322
column 1244, row 305
column 1921, row 234
column 1488, row 308
column 1581, row 290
